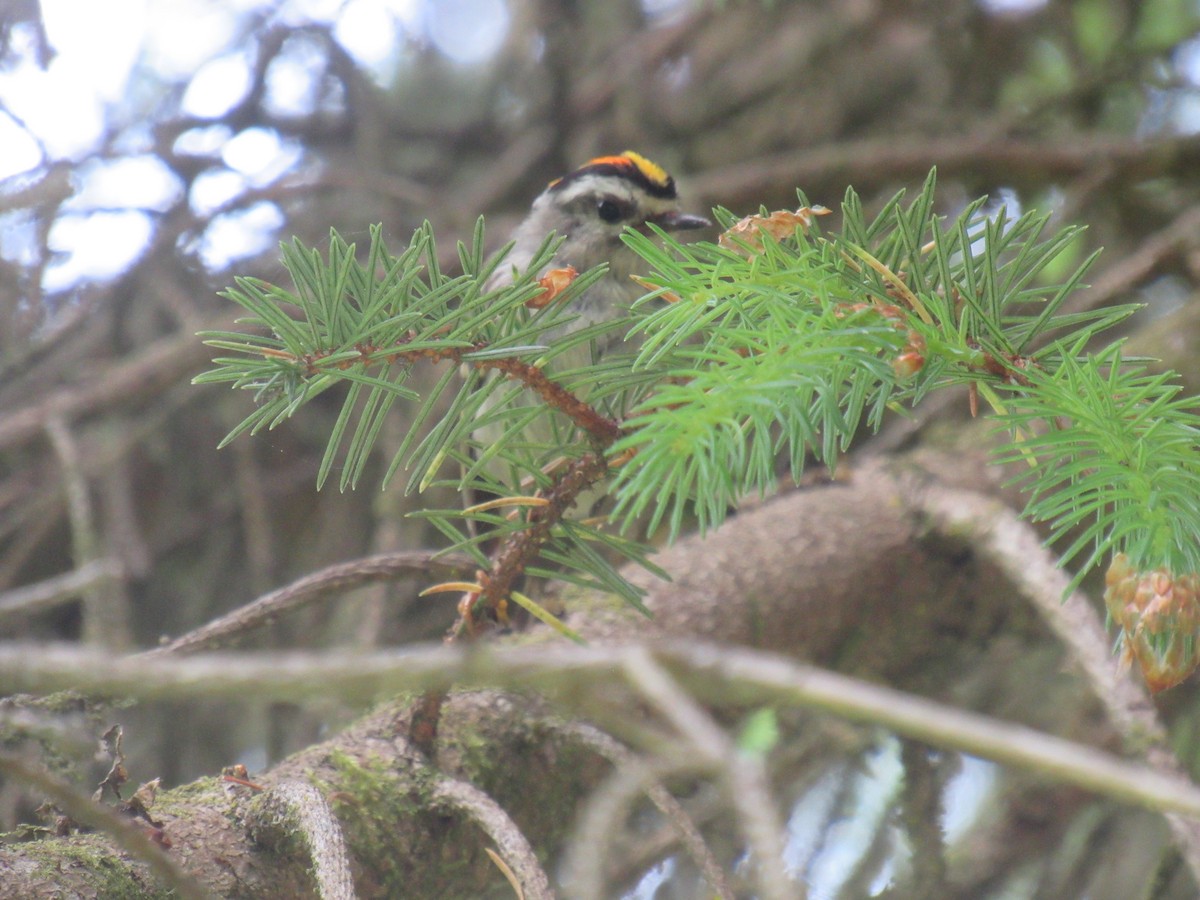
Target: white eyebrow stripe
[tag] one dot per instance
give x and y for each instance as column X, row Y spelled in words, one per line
column 595, row 186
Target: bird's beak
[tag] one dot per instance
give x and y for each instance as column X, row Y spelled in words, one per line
column 679, row 221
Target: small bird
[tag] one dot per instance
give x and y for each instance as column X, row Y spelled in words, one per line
column 589, row 209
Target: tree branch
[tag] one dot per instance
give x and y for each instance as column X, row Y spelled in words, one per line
column 713, row 673
column 309, row 589
column 993, row 530
column 495, row 822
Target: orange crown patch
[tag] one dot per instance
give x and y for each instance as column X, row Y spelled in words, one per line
column 650, row 175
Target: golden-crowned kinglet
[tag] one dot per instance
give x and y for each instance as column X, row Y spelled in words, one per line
column 589, row 209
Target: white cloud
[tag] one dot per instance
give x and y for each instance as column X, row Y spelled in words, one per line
column 367, row 29
column 97, row 44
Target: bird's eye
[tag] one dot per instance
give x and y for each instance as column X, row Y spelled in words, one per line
column 610, row 210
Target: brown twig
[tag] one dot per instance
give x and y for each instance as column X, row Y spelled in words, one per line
column 602, row 429
column 47, row 594
column 519, row 549
column 309, row 589
column 508, row 565
column 510, row 560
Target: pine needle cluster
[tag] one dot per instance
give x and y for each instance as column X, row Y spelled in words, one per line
column 770, row 349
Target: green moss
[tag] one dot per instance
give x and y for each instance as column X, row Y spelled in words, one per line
column 111, row 876
column 473, row 753
column 368, row 797
column 203, row 793
column 379, row 808
column 277, row 827
column 552, row 767
column 202, row 790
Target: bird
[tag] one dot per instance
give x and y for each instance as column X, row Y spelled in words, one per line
column 588, row 210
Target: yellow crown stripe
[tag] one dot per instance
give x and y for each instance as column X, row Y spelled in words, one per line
column 656, row 178
column 654, row 173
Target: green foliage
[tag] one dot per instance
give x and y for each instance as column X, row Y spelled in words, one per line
column 1114, row 459
column 775, row 346
column 791, row 351
column 347, row 320
column 759, row 733
column 1048, row 73
column 1161, row 24
column 1099, row 26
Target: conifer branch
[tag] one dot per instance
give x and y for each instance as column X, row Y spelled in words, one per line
column 777, row 343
